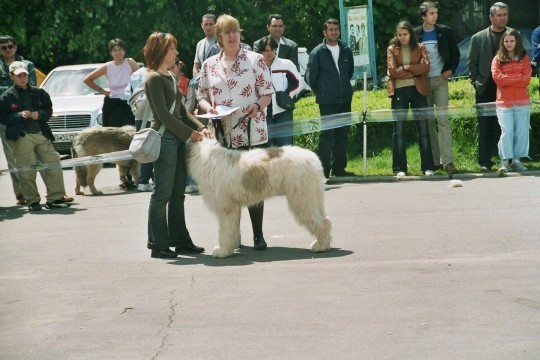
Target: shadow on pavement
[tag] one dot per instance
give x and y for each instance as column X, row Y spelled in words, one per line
column 248, row 256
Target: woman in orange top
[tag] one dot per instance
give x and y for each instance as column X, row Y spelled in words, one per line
column 511, row 71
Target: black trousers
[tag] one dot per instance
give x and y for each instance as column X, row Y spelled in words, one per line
column 117, row 112
column 333, row 143
column 404, row 98
column 488, row 127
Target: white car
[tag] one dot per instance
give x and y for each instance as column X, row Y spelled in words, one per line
column 75, row 105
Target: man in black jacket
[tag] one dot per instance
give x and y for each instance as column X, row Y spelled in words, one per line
column 329, row 73
column 443, row 56
column 287, row 49
column 25, row 110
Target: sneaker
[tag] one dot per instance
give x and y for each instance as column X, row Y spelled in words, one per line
column 484, row 169
column 429, row 172
column 504, row 167
column 518, row 166
column 35, row 207
column 145, row 187
column 191, row 189
column 57, row 204
column 401, row 174
column 20, row 199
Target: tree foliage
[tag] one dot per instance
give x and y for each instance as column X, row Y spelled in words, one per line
column 59, row 32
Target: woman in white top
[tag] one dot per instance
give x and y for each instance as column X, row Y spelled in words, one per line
column 116, row 111
column 285, row 77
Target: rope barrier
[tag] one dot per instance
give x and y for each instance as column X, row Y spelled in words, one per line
column 307, row 126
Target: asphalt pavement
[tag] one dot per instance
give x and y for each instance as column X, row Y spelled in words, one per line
column 418, row 270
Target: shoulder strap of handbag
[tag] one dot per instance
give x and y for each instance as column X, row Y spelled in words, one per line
column 171, row 110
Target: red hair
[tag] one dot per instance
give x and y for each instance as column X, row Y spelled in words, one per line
column 156, row 48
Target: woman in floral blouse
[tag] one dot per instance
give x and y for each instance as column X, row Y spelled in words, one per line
column 237, row 77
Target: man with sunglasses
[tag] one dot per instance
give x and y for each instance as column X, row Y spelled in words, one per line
column 8, row 55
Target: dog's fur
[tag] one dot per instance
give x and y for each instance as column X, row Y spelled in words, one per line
column 100, row 140
column 231, row 179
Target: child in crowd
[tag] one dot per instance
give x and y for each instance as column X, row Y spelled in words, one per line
column 511, row 71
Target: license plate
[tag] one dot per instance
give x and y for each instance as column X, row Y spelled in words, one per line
column 64, row 137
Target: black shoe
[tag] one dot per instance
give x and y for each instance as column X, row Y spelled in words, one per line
column 189, row 249
column 35, row 207
column 342, row 173
column 163, row 254
column 259, row 243
column 57, row 204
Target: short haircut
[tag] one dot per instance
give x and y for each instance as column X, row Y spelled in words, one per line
column 498, row 5
column 406, row 26
column 225, row 23
column 6, row 38
column 266, row 41
column 274, row 16
column 156, row 48
column 330, row 21
column 209, row 16
column 116, row 42
column 425, row 6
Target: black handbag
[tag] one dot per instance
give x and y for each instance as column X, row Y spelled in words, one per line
column 284, row 100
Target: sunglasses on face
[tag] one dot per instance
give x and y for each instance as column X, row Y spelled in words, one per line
column 7, row 47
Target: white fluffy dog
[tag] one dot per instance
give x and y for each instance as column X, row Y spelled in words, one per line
column 231, row 179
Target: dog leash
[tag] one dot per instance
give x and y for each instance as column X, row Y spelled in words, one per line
column 220, row 131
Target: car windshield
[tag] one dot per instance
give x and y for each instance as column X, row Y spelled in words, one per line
column 69, row 82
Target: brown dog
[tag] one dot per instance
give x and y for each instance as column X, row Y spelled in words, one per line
column 100, row 140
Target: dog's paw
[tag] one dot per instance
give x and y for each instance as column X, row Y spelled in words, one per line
column 319, row 247
column 79, row 192
column 220, row 252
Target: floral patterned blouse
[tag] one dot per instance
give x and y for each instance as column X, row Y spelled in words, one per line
column 247, row 80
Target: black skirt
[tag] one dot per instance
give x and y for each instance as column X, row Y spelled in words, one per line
column 117, row 112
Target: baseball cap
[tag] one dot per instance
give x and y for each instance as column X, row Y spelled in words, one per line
column 18, row 67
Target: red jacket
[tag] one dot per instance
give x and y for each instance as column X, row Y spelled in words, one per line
column 512, row 79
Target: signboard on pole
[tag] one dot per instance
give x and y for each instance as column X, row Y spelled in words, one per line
column 357, row 33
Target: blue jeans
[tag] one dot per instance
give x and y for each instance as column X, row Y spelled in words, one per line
column 285, row 127
column 333, row 143
column 514, row 122
column 402, row 99
column 146, row 169
column 166, row 218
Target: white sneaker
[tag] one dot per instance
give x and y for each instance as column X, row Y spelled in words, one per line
column 401, row 174
column 518, row 166
column 145, row 187
column 504, row 167
column 429, row 172
column 191, row 189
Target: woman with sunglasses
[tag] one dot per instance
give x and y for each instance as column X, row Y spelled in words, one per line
column 166, row 217
column 239, row 78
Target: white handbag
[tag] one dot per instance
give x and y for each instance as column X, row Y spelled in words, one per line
column 146, row 144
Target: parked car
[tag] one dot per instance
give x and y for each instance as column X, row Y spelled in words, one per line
column 75, row 105
column 463, row 68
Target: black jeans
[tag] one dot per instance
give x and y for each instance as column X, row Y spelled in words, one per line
column 333, row 143
column 487, row 126
column 402, row 99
